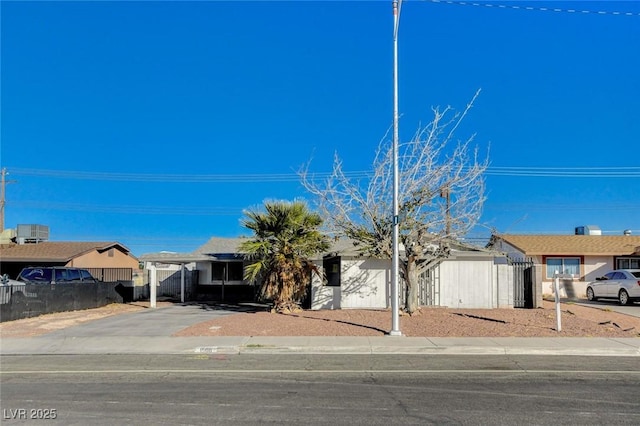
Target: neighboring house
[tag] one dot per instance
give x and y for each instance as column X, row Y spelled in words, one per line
column 579, row 258
column 95, row 256
column 469, row 278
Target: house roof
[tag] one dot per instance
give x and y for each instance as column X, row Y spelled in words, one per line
column 50, row 251
column 607, row 245
column 226, row 246
column 220, row 245
column 341, row 246
column 215, row 248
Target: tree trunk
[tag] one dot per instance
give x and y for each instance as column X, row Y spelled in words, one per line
column 412, row 302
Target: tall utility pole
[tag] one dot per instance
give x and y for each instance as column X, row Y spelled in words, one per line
column 2, row 201
column 446, row 194
column 395, row 262
column 3, row 184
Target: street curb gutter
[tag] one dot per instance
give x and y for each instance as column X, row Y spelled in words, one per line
column 363, row 350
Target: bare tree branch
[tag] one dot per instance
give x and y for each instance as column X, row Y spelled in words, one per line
column 441, row 194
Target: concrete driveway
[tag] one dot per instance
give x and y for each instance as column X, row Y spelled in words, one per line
column 613, row 305
column 161, row 321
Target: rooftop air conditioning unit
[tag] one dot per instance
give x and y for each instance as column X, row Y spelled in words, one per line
column 588, row 230
column 32, row 233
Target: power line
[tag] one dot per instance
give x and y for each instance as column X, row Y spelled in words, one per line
column 536, row 8
column 575, row 172
column 151, row 210
column 176, row 178
column 239, row 211
column 488, row 206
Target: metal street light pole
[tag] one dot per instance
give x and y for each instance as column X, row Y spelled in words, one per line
column 395, row 262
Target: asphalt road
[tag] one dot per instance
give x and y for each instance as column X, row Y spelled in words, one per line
column 319, row 389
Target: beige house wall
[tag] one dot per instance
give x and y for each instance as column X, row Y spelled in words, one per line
column 111, row 258
column 592, row 267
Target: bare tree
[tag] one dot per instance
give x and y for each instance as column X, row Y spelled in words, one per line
column 441, row 194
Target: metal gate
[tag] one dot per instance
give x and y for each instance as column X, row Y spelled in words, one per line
column 522, row 283
column 428, row 288
column 169, row 283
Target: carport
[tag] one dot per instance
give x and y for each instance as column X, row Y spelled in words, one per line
column 181, row 259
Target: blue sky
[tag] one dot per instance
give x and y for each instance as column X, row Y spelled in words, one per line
column 156, row 123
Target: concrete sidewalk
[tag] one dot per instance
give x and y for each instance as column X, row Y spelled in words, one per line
column 150, row 332
column 321, row 345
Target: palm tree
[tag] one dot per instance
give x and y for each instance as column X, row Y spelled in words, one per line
column 285, row 237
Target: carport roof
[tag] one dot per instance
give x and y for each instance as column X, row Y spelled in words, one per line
column 174, row 258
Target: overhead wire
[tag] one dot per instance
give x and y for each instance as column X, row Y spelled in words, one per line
column 574, row 172
column 151, row 210
column 531, row 6
column 500, row 171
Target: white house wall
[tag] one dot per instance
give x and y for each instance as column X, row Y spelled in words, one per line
column 325, row 297
column 468, row 284
column 364, row 283
column 477, row 282
column 502, row 289
column 204, row 274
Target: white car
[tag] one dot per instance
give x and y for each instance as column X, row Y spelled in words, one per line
column 621, row 284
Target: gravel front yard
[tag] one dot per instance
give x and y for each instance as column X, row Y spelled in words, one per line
column 577, row 321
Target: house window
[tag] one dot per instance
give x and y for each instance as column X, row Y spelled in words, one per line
column 331, row 267
column 563, row 265
column 227, row 271
column 628, row 263
column 111, row 252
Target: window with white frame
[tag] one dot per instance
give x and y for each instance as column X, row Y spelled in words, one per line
column 563, row 265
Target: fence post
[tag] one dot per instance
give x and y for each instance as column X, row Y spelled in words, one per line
column 556, row 285
column 182, row 282
column 153, row 278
